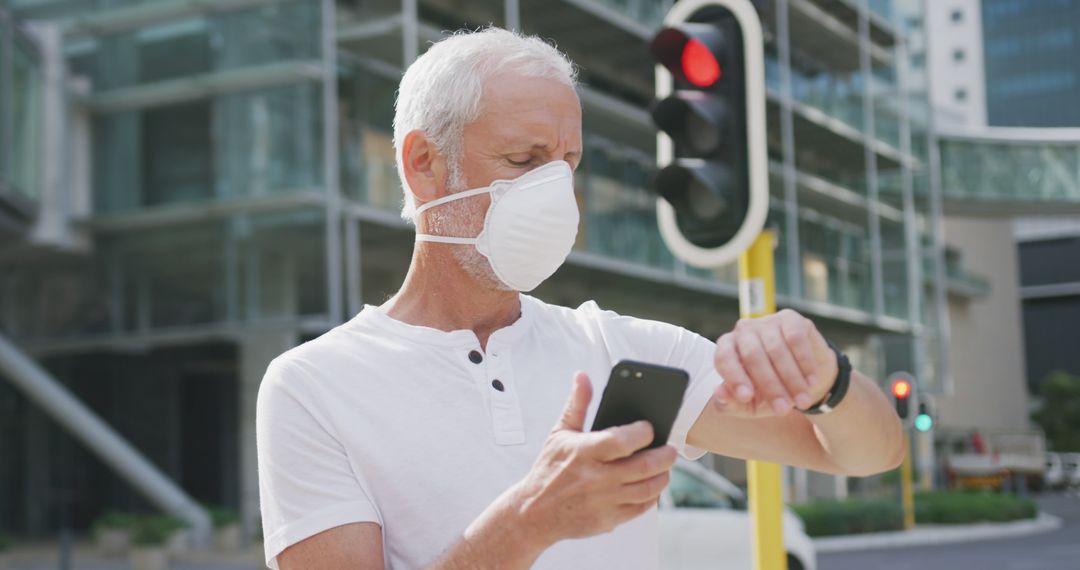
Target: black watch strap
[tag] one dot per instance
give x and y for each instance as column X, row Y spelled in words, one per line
column 839, row 388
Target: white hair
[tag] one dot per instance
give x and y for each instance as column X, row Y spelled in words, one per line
column 440, row 92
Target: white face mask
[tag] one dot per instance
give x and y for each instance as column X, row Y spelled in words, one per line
column 530, row 227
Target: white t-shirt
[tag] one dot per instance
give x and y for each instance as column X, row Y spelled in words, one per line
column 381, row 421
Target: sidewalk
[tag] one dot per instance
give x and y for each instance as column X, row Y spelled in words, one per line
column 45, row 556
column 938, row 534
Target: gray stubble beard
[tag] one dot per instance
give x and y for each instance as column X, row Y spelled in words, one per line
column 457, row 218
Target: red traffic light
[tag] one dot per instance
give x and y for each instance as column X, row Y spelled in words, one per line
column 692, row 52
column 699, row 65
column 901, row 388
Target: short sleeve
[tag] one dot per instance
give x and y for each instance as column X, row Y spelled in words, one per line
column 668, row 345
column 306, row 483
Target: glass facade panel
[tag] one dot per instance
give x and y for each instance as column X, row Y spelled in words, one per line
column 20, row 114
column 835, row 262
column 245, row 267
column 1010, row 171
column 620, row 209
column 366, row 137
column 202, row 44
column 240, row 145
column 894, row 269
column 837, row 94
column 886, row 106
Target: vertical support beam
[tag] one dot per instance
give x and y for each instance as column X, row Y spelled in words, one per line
column 512, row 10
column 114, row 267
column 7, row 105
column 937, row 226
column 143, row 303
column 869, row 138
column 331, row 172
column 230, row 266
column 787, row 135
column 410, row 32
column 912, row 242
column 354, row 283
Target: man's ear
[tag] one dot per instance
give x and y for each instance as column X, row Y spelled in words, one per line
column 425, row 167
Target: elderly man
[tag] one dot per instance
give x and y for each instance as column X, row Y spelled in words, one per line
column 448, row 427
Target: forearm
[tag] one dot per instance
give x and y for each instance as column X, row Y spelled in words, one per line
column 862, row 436
column 498, row 538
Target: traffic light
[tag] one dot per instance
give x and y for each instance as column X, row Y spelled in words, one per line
column 901, row 390
column 924, row 421
column 710, row 117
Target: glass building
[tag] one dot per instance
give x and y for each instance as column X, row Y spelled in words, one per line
column 1032, row 73
column 228, row 190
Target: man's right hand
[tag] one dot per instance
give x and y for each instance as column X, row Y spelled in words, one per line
column 587, row 483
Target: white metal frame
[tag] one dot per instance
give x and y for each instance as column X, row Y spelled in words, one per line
column 757, row 155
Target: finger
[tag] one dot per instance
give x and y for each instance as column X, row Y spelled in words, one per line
column 573, row 416
column 643, row 465
column 783, row 362
column 727, row 364
column 621, row 441
column 754, row 359
column 722, row 395
column 644, row 491
column 797, row 331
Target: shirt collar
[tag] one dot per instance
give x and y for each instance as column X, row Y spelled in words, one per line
column 461, row 337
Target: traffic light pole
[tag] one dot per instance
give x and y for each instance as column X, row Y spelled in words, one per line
column 757, row 298
column 907, row 487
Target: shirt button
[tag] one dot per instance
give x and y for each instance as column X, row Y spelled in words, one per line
column 497, row 384
column 476, row 357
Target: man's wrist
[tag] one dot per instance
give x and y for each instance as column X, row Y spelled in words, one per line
column 505, row 529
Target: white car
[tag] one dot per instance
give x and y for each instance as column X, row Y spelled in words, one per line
column 704, row 524
column 1070, row 463
column 1054, row 476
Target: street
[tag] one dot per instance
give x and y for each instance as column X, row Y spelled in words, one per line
column 1058, row 550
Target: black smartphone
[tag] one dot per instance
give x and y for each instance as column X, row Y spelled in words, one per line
column 641, row 391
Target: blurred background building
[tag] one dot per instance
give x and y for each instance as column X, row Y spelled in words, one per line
column 187, row 189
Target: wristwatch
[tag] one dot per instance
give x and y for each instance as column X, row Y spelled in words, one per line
column 839, row 388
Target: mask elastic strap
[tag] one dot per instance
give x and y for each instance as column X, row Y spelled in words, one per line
column 445, row 239
column 452, row 197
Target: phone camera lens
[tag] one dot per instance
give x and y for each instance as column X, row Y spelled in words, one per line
column 624, row 373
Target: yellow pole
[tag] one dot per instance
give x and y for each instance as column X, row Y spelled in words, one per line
column 757, row 297
column 907, row 488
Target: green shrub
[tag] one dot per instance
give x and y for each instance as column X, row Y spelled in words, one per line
column 114, row 520
column 853, row 516
column 223, row 517
column 5, row 541
column 952, row 507
column 154, row 530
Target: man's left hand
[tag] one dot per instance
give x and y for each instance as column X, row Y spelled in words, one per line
column 772, row 365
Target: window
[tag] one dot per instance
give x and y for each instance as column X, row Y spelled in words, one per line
column 690, row 492
column 918, row 60
column 957, row 16
column 958, row 55
column 960, row 94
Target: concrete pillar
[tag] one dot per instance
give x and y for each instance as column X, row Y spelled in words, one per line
column 257, row 349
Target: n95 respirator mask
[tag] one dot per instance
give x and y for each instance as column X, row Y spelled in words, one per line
column 529, row 228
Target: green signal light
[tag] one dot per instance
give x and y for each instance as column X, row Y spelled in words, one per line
column 923, row 422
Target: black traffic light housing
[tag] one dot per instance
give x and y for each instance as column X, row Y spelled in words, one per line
column 712, row 177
